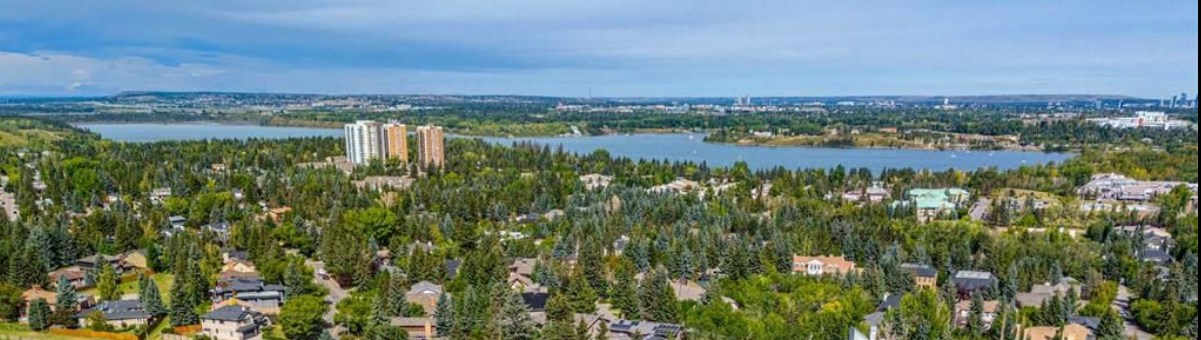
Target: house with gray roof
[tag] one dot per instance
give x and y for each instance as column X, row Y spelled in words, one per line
column 119, row 313
column 232, row 322
column 252, row 293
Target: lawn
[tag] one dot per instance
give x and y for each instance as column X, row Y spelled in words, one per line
column 18, row 331
column 163, row 280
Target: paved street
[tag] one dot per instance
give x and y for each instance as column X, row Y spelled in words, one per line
column 336, row 294
column 1121, row 303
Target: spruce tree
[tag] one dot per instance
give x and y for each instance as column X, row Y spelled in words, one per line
column 152, row 299
column 444, row 313
column 1111, row 327
column 107, row 283
column 583, row 297
column 975, row 323
column 625, row 293
column 38, row 315
column 183, row 311
column 514, row 319
column 65, row 295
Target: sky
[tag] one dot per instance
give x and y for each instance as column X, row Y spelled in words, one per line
column 611, row 48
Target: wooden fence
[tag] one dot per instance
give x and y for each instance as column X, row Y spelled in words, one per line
column 87, row 333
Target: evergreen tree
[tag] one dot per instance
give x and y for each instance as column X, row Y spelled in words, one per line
column 514, row 319
column 65, row 296
column 1111, row 327
column 107, row 283
column 38, row 315
column 152, row 299
column 625, row 293
column 975, row 323
column 583, row 298
column 183, row 309
column 296, row 280
column 444, row 313
column 658, row 301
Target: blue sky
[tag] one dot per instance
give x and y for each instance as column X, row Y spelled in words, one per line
column 616, row 47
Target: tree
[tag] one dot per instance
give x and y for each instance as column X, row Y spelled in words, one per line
column 183, row 308
column 11, row 302
column 297, row 279
column 444, row 313
column 658, row 301
column 301, row 317
column 975, row 323
column 151, row 298
column 65, row 295
column 38, row 314
column 624, row 294
column 1111, row 327
column 98, row 322
column 107, row 283
column 514, row 319
column 583, row 297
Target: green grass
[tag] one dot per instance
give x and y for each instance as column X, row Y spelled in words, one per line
column 163, row 280
column 16, row 331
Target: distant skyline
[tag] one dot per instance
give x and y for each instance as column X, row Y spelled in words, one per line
column 618, row 48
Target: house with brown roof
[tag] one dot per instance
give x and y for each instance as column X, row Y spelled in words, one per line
column 1071, row 331
column 36, row 292
column 963, row 311
column 426, row 294
column 238, row 269
column 822, row 265
column 73, row 274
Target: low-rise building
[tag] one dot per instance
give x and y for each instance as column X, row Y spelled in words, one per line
column 932, row 203
column 252, row 293
column 924, row 276
column 963, row 312
column 822, row 265
column 119, row 313
column 425, row 294
column 75, row 275
column 971, row 282
column 36, row 292
column 1071, row 331
column 232, row 322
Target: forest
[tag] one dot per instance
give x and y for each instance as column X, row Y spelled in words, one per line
column 614, row 246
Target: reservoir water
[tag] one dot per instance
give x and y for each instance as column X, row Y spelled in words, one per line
column 682, row 147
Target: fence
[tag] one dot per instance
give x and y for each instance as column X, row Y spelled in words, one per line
column 85, row 333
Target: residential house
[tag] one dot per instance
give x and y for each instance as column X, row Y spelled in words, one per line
column 963, row 312
column 36, row 292
column 596, row 181
column 135, row 259
column 232, row 322
column 93, row 263
column 76, row 276
column 425, row 294
column 417, row 328
column 159, row 194
column 220, row 228
column 119, row 313
column 873, row 194
column 924, row 276
column 523, row 266
column 969, row 282
column 1071, row 331
column 238, row 269
column 628, row 329
column 252, row 293
column 822, row 265
column 876, row 319
column 1043, row 292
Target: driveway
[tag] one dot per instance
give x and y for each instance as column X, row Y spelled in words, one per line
column 980, row 210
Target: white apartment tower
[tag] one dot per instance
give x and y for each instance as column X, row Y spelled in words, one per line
column 367, row 140
column 430, row 147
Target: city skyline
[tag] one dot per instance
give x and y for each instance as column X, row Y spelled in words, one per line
column 612, row 49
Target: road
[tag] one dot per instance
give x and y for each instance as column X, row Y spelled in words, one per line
column 1121, row 303
column 980, row 210
column 336, row 294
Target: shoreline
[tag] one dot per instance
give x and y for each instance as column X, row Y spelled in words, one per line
column 704, row 134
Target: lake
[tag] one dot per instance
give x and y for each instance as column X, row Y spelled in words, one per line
column 681, row 147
